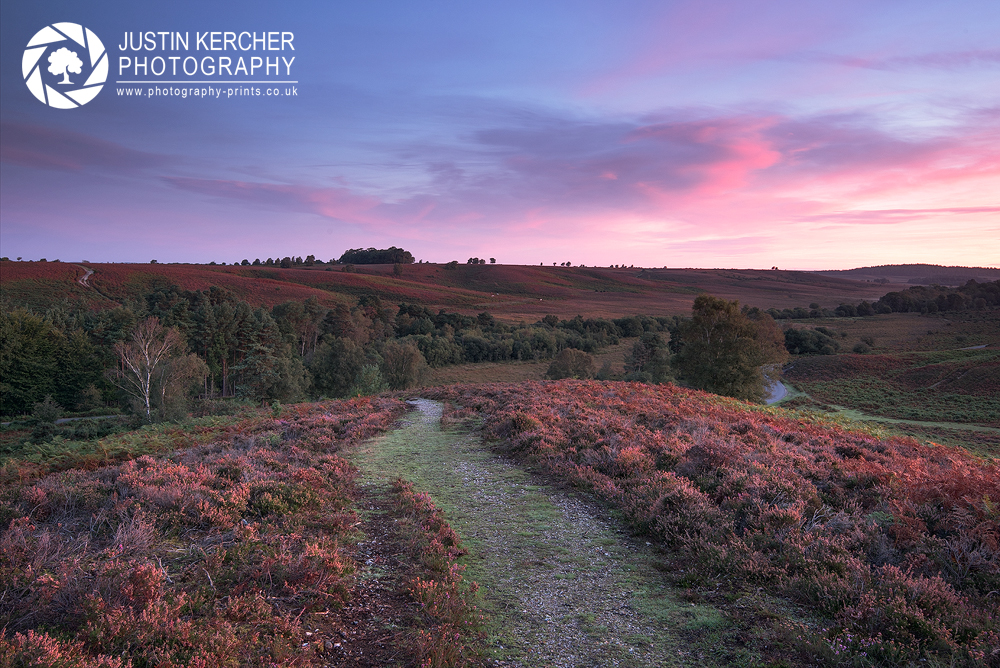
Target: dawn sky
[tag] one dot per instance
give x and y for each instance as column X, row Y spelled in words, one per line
column 805, row 134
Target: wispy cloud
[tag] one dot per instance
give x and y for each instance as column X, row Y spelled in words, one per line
column 335, row 203
column 552, row 174
column 65, row 150
column 945, row 60
column 897, row 216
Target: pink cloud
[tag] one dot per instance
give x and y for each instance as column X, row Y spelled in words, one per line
column 540, row 177
column 737, row 147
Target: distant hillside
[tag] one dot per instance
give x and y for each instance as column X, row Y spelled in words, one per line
column 918, row 274
column 510, row 292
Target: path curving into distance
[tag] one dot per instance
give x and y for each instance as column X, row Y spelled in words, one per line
column 88, row 272
column 563, row 584
column 776, row 391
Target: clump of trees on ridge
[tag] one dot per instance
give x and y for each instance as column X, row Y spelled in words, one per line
column 391, row 255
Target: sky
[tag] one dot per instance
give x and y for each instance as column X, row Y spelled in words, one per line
column 803, row 134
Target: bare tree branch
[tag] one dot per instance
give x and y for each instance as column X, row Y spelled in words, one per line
column 144, row 359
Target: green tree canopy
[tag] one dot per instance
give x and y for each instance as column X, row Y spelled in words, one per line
column 571, row 363
column 722, row 350
column 649, row 359
column 391, row 255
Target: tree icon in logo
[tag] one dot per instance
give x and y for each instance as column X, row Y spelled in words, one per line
column 63, row 62
column 70, row 49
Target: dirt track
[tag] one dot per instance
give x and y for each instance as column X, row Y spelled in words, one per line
column 563, row 583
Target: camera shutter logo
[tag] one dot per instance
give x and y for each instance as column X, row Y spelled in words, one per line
column 74, row 57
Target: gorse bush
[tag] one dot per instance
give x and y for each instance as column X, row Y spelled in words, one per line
column 895, row 542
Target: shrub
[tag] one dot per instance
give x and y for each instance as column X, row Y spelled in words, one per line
column 444, row 597
column 403, row 365
column 809, row 342
column 571, row 363
column 46, row 411
column 368, row 382
column 649, row 360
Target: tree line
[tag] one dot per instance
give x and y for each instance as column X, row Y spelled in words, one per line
column 215, row 345
column 391, row 255
column 918, row 299
column 721, row 349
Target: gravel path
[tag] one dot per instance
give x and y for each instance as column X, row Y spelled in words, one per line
column 83, row 279
column 776, row 391
column 561, row 581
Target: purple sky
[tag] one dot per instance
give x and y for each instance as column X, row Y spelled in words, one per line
column 802, row 134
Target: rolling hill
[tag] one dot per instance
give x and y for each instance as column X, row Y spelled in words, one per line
column 918, row 274
column 511, row 292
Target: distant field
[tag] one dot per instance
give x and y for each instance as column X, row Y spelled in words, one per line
column 911, row 332
column 919, row 274
column 41, row 284
column 510, row 292
column 939, row 391
column 955, row 386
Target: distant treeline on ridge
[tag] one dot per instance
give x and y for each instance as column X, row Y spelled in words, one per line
column 391, row 255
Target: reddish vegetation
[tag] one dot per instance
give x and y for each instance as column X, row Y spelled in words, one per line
column 833, row 367
column 897, row 543
column 412, row 287
column 88, row 455
column 508, row 291
column 446, row 601
column 220, row 554
column 130, row 280
column 41, row 284
column 26, row 271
